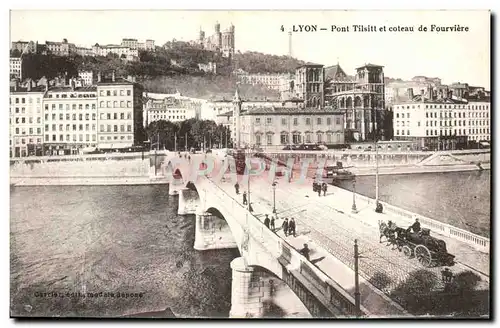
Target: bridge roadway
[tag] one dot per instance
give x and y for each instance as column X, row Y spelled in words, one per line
column 327, row 225
column 329, row 228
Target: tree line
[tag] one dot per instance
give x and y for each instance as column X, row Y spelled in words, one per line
column 192, row 133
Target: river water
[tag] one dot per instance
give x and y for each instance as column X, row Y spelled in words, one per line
column 129, row 239
column 461, row 199
column 125, row 239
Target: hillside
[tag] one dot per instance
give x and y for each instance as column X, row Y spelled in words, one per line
column 256, row 62
column 206, row 87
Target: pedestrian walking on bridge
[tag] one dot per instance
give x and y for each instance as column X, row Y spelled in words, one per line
column 324, row 187
column 273, row 227
column 267, row 221
column 245, row 202
column 291, row 227
column 237, row 188
column 285, row 227
column 305, row 251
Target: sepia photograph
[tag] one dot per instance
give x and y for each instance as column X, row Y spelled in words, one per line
column 217, row 164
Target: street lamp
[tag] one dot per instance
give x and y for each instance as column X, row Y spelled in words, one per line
column 354, row 208
column 274, row 196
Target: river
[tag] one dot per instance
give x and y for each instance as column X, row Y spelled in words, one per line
column 129, row 239
column 461, row 199
column 125, row 239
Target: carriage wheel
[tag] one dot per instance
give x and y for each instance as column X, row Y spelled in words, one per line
column 407, row 251
column 423, row 255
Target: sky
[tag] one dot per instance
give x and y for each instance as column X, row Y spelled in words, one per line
column 451, row 56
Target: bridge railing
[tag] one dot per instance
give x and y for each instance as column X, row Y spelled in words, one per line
column 329, row 292
column 407, row 217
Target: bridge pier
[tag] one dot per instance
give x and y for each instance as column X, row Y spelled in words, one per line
column 212, row 232
column 182, row 210
column 174, row 188
column 247, row 293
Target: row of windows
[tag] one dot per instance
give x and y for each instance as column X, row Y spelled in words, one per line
column 114, row 93
column 30, row 130
column 115, row 116
column 447, row 132
column 114, row 104
column 108, row 138
column 30, row 120
column 70, row 127
column 114, row 128
column 70, row 137
column 30, row 141
column 72, row 95
column 473, row 107
column 297, row 138
column 22, row 100
column 73, row 106
column 164, row 117
column 23, row 110
column 70, row 117
column 284, row 121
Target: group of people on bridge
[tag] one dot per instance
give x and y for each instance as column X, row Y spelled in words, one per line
column 289, row 227
column 320, row 187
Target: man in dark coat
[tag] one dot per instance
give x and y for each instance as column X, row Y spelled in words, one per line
column 285, row 227
column 305, row 251
column 237, row 188
column 273, row 227
column 291, row 227
column 267, row 221
column 324, row 187
column 245, row 202
column 415, row 226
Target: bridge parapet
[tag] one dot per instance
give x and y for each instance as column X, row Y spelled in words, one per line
column 404, row 217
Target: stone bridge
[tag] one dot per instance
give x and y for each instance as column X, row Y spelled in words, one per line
column 261, row 249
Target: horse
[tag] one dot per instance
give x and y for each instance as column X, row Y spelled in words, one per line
column 389, row 234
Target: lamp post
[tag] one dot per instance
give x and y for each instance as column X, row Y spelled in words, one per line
column 357, row 298
column 274, row 196
column 354, row 208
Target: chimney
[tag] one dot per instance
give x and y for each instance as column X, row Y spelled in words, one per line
column 29, row 85
column 434, row 94
column 15, row 85
column 113, row 76
column 410, row 93
column 422, row 93
column 72, row 82
column 99, row 77
column 450, row 94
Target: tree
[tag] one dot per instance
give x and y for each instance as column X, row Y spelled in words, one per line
column 15, row 53
column 161, row 134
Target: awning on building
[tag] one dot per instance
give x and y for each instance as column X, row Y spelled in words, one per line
column 484, row 143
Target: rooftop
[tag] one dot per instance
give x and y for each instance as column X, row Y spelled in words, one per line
column 38, row 89
column 88, row 88
column 310, row 65
column 370, row 66
column 118, row 80
column 336, row 73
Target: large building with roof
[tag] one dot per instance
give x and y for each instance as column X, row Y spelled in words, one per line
column 26, row 120
column 273, row 127
column 442, row 121
column 360, row 98
column 120, row 109
column 70, row 119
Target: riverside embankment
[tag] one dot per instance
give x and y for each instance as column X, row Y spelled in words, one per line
column 122, row 169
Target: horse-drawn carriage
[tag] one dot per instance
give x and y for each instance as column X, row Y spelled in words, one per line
column 428, row 250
